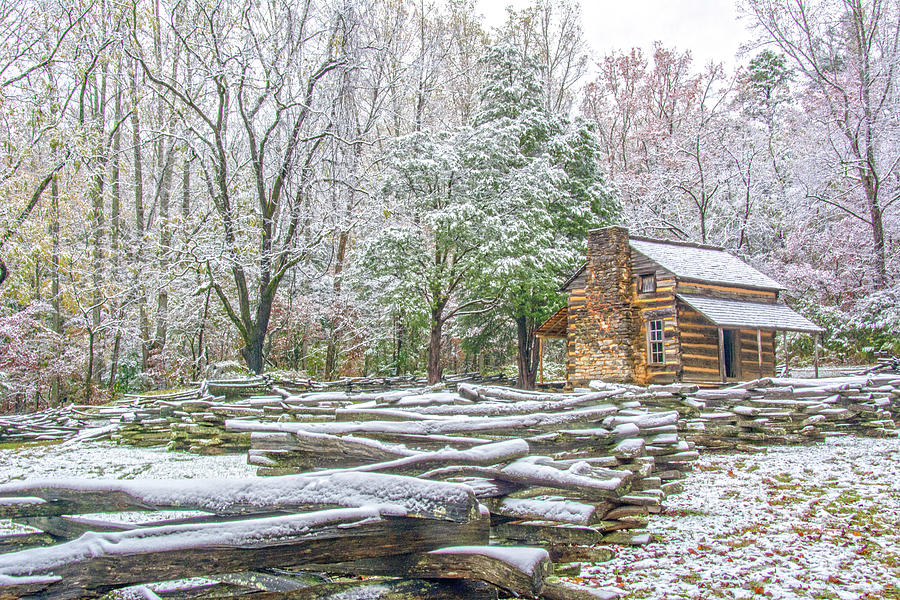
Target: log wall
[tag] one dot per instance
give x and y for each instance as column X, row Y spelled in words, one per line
column 751, row 367
column 651, row 306
column 699, row 346
column 700, row 349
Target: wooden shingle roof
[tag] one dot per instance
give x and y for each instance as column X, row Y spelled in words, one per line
column 707, row 264
column 556, row 326
column 750, row 315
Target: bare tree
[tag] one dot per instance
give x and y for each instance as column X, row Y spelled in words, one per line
column 848, row 52
column 549, row 33
column 263, row 73
column 33, row 40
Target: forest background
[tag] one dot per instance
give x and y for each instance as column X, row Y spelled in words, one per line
column 358, row 187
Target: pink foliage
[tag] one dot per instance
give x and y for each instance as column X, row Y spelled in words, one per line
column 32, row 355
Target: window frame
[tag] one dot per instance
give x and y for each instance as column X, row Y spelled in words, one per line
column 651, row 277
column 656, row 344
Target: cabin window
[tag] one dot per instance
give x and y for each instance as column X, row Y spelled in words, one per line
column 648, row 283
column 656, row 342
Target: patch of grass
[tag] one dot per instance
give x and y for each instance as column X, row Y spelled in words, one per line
column 17, row 445
column 683, row 512
column 807, row 532
column 784, row 477
column 846, row 502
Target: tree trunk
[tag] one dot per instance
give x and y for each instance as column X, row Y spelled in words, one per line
column 139, row 220
column 114, row 360
column 253, row 350
column 115, row 224
column 164, row 168
column 54, row 281
column 877, row 223
column 527, row 356
column 200, row 351
column 89, row 373
column 186, row 189
column 398, row 348
column 97, row 226
column 254, row 346
column 331, row 352
column 434, row 348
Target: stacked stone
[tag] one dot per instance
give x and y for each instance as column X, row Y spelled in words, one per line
column 602, row 324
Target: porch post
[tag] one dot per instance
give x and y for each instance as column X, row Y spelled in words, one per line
column 541, row 358
column 787, row 355
column 722, row 355
column 816, row 355
column 759, row 350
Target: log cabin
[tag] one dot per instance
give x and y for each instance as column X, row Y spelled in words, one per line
column 645, row 311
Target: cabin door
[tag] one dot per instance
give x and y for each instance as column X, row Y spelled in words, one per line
column 732, row 353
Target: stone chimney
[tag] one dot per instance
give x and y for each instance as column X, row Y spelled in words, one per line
column 602, row 334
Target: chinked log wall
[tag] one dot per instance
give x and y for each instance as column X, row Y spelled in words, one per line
column 699, row 345
column 652, row 306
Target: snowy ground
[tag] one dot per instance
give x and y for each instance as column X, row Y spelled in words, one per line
column 111, row 461
column 794, row 522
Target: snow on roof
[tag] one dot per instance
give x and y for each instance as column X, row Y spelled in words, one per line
column 753, row 315
column 702, row 263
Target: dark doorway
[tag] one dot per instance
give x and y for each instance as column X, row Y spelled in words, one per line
column 732, row 353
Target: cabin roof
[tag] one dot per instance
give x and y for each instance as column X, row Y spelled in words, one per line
column 574, row 276
column 708, row 264
column 696, row 262
column 750, row 315
column 556, row 326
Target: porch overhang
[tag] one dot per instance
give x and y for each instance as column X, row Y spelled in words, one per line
column 742, row 314
column 556, row 326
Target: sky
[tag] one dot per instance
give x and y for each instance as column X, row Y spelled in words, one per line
column 710, row 29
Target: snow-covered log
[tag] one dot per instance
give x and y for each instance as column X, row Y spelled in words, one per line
column 417, row 497
column 96, row 562
column 579, row 478
column 484, row 455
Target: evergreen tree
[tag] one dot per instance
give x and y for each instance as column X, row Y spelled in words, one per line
column 555, row 176
column 490, row 216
